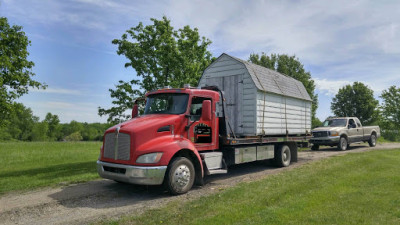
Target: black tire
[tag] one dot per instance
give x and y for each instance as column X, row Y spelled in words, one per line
column 283, row 156
column 180, row 176
column 372, row 140
column 315, row 147
column 120, row 182
column 342, row 144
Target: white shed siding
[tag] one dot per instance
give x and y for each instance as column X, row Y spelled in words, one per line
column 279, row 112
column 259, row 101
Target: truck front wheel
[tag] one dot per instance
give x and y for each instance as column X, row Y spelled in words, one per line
column 282, row 156
column 180, row 176
column 342, row 144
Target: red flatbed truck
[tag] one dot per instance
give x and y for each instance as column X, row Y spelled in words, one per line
column 186, row 134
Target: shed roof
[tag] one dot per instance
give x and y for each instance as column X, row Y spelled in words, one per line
column 271, row 81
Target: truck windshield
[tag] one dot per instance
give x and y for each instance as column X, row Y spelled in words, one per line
column 166, row 104
column 335, row 123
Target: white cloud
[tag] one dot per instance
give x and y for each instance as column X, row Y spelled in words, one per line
column 330, row 87
column 57, row 91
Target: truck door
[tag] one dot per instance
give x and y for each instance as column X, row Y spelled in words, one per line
column 355, row 132
column 201, row 133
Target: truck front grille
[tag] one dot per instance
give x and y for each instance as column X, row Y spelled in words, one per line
column 320, row 134
column 117, row 147
column 114, row 169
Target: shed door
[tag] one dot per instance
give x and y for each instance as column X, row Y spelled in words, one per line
column 233, row 90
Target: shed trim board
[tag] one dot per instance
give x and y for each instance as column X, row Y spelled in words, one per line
column 259, row 101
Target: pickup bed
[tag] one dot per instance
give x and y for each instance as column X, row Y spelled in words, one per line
column 342, row 131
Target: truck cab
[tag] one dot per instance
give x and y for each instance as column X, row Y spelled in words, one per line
column 163, row 144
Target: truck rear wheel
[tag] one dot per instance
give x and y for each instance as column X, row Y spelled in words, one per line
column 315, row 147
column 180, row 176
column 282, row 156
column 372, row 140
column 342, row 144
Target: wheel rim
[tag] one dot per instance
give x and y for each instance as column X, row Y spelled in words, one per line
column 285, row 156
column 373, row 140
column 344, row 144
column 181, row 176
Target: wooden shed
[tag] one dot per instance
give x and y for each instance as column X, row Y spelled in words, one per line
column 259, row 101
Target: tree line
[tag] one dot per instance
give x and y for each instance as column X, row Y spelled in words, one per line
column 22, row 125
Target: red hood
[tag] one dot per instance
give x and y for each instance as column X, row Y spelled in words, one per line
column 146, row 122
column 145, row 128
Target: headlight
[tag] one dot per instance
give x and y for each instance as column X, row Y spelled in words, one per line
column 149, row 158
column 334, row 133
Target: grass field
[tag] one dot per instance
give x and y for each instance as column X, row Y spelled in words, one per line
column 30, row 165
column 360, row 188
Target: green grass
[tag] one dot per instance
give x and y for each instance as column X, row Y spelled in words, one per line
column 30, row 165
column 361, row 188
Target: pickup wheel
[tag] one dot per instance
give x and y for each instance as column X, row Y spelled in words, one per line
column 315, row 147
column 372, row 140
column 180, row 176
column 283, row 156
column 342, row 144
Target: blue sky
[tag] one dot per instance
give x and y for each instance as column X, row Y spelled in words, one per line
column 339, row 42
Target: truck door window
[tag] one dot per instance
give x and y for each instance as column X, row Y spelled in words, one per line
column 202, row 132
column 196, row 107
column 358, row 123
column 352, row 124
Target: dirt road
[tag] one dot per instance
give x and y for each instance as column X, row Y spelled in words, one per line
column 100, row 199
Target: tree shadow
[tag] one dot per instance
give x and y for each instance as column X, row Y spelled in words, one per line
column 55, row 171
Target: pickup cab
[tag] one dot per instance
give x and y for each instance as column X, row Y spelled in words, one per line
column 342, row 131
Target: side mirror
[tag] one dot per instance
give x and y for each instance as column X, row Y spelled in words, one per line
column 206, row 110
column 135, row 110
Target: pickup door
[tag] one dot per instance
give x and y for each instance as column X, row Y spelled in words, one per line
column 356, row 131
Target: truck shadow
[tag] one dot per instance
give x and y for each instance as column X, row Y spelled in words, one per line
column 242, row 169
column 329, row 149
column 101, row 194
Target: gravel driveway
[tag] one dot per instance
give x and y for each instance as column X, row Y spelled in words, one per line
column 101, row 199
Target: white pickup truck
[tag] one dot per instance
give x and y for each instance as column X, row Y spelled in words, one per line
column 342, row 131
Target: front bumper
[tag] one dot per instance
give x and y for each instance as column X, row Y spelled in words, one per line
column 149, row 175
column 325, row 140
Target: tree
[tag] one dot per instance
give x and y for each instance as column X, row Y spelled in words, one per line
column 54, row 128
column 19, row 124
column 39, row 131
column 161, row 56
column 390, row 108
column 76, row 136
column 290, row 66
column 15, row 69
column 72, row 127
column 356, row 100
